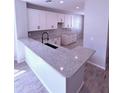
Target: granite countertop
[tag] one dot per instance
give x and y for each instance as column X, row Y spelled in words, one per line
column 65, row 61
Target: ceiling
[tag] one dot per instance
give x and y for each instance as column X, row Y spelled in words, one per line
column 68, row 5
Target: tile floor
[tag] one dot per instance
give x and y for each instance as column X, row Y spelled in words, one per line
column 25, row 81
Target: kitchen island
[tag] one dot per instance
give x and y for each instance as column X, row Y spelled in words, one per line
column 60, row 70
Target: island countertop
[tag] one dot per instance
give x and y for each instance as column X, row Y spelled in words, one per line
column 65, row 61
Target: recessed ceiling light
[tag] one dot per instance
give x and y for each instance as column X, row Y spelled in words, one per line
column 61, row 1
column 77, row 7
column 61, row 68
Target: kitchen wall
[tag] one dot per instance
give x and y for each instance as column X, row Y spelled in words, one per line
column 96, row 29
column 15, row 44
column 20, row 29
column 21, row 18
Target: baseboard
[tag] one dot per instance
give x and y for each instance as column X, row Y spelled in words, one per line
column 96, row 65
column 21, row 60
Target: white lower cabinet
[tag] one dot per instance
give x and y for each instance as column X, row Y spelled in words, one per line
column 69, row 38
column 53, row 81
column 56, row 41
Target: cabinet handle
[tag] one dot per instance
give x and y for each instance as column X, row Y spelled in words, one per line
column 52, row 26
column 61, row 20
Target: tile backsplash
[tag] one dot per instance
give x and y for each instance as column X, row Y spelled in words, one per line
column 53, row 32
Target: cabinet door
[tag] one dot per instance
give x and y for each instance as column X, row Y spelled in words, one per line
column 57, row 41
column 51, row 20
column 60, row 18
column 33, row 19
column 77, row 22
column 42, row 20
column 68, row 21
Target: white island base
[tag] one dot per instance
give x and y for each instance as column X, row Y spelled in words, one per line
column 51, row 78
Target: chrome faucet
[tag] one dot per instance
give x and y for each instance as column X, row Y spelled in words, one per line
column 43, row 36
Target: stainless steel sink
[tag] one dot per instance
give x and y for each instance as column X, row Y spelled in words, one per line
column 50, row 45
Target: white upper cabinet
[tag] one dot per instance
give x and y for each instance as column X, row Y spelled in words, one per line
column 33, row 19
column 51, row 20
column 77, row 22
column 42, row 20
column 36, row 20
column 68, row 21
column 60, row 18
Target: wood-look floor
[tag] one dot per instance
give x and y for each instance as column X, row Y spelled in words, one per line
column 25, row 81
column 96, row 80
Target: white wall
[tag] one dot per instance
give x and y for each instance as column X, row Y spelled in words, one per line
column 20, row 28
column 21, row 18
column 15, row 39
column 96, row 28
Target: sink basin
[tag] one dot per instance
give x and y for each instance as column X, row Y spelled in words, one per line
column 50, row 45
